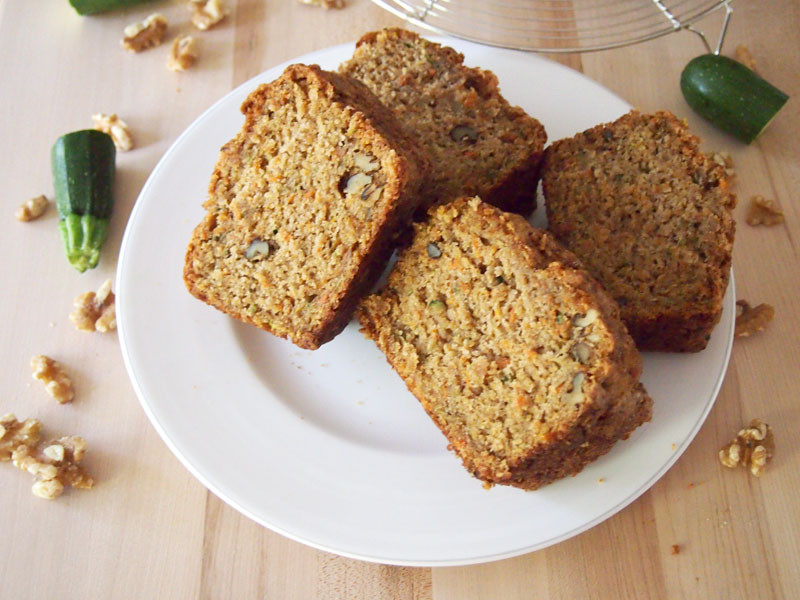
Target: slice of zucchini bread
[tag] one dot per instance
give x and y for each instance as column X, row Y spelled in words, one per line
column 303, row 207
column 478, row 143
column 650, row 217
column 514, row 350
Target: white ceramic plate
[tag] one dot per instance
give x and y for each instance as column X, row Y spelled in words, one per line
column 328, row 447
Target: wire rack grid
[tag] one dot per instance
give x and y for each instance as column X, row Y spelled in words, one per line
column 554, row 25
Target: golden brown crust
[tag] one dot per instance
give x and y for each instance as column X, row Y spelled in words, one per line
column 304, row 206
column 650, row 217
column 479, row 144
column 584, row 444
column 514, row 351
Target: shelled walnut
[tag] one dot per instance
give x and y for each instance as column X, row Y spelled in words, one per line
column 752, row 448
column 57, row 466
column 32, row 209
column 56, row 381
column 14, row 434
column 116, row 128
column 182, row 54
column 95, row 311
column 762, row 211
column 145, row 34
column 207, row 13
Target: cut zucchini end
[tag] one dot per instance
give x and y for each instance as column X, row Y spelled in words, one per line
column 83, row 260
column 83, row 237
column 775, row 109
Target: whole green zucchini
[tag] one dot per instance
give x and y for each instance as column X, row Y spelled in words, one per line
column 83, row 178
column 91, row 7
column 730, row 95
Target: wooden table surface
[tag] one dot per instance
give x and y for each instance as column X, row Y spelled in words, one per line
column 150, row 530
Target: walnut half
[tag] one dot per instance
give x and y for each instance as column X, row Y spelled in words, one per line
column 95, row 311
column 752, row 448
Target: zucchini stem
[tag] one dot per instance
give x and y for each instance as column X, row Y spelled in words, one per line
column 83, row 237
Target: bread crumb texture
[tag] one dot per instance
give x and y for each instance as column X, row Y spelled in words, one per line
column 303, row 207
column 514, row 351
column 650, row 217
column 478, row 143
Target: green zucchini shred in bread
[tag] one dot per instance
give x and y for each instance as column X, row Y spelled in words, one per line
column 304, row 206
column 478, row 143
column 515, row 351
column 649, row 215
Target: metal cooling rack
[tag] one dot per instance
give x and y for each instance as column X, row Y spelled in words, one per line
column 556, row 25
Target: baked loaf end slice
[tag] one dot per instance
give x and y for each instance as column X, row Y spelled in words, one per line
column 650, row 217
column 478, row 143
column 515, row 352
column 303, row 206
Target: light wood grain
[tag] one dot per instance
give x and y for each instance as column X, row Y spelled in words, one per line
column 150, row 530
